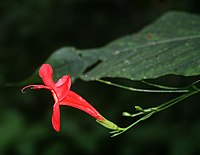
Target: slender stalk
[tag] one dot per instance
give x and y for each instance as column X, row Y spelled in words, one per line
column 150, row 111
column 144, row 90
column 188, row 91
column 178, row 99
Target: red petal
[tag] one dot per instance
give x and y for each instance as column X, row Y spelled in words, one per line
column 74, row 100
column 56, row 117
column 46, row 73
column 62, row 87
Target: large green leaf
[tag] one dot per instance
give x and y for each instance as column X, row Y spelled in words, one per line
column 170, row 45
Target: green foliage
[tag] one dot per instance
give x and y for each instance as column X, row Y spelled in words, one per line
column 168, row 46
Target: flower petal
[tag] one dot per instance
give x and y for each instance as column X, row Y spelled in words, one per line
column 74, row 100
column 62, row 87
column 36, row 87
column 46, row 73
column 56, row 117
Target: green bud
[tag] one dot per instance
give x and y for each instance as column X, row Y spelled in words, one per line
column 138, row 108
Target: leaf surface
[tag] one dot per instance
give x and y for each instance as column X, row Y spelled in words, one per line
column 170, row 45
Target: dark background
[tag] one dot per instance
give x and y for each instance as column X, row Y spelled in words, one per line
column 30, row 30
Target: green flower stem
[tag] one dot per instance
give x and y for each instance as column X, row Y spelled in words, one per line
column 189, row 91
column 176, row 100
column 116, row 133
column 174, row 90
column 150, row 111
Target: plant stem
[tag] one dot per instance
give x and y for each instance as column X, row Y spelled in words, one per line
column 144, row 90
column 150, row 111
column 176, row 100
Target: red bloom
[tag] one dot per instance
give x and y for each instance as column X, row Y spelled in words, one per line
column 62, row 95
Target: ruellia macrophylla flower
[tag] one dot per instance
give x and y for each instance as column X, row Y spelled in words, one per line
column 64, row 96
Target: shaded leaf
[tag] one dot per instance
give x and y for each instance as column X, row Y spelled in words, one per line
column 170, row 45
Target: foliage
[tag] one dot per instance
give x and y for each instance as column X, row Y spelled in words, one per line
column 161, row 48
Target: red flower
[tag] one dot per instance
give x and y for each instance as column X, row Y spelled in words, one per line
column 63, row 95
